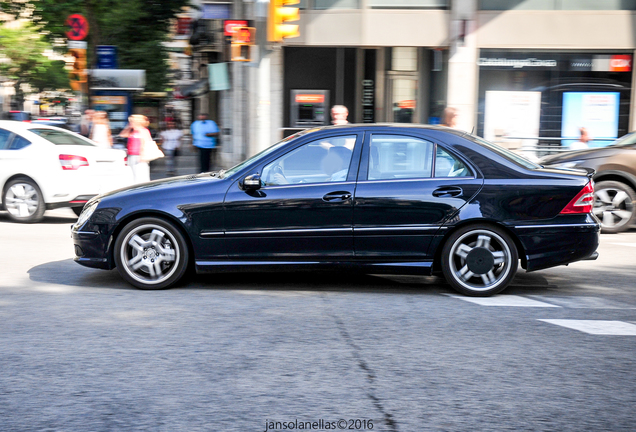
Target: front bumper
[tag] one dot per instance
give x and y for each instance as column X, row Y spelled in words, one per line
column 91, row 249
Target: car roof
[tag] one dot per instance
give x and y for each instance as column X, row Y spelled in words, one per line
column 438, row 128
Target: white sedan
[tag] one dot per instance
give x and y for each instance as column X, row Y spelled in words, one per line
column 44, row 167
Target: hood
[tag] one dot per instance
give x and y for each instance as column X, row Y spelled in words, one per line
column 576, row 155
column 163, row 185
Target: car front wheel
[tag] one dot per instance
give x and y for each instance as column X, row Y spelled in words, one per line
column 479, row 261
column 23, row 200
column 151, row 253
column 614, row 206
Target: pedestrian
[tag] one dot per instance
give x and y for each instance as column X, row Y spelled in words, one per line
column 86, row 124
column 100, row 132
column 449, row 117
column 204, row 137
column 137, row 135
column 339, row 114
column 170, row 143
column 582, row 143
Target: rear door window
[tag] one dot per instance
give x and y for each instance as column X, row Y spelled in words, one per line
column 59, row 137
column 5, row 139
column 18, row 143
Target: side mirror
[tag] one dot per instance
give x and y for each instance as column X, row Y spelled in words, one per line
column 252, row 182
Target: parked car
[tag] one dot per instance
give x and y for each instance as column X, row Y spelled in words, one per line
column 615, row 178
column 374, row 198
column 44, row 167
column 53, row 122
column 24, row 116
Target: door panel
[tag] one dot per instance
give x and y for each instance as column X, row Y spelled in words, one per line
column 406, row 197
column 304, row 209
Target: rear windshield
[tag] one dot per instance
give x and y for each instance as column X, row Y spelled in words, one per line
column 59, row 137
column 513, row 157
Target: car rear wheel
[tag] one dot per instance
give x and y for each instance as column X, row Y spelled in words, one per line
column 479, row 260
column 23, row 200
column 151, row 253
column 614, row 206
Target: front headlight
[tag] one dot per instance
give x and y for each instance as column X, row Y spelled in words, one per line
column 88, row 211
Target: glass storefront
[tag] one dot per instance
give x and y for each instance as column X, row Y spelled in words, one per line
column 549, row 96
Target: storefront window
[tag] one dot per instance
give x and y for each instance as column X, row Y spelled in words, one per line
column 557, row 4
column 529, row 99
column 336, row 4
column 404, row 59
column 415, row 4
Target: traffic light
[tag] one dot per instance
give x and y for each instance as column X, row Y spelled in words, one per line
column 77, row 75
column 279, row 15
column 242, row 41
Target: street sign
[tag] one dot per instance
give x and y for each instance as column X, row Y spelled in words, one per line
column 78, row 27
column 106, row 57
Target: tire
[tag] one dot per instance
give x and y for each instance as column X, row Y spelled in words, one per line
column 614, row 206
column 77, row 210
column 479, row 260
column 22, row 198
column 151, row 254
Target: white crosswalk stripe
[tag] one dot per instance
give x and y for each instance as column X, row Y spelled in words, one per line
column 596, row 327
column 583, row 302
column 504, row 300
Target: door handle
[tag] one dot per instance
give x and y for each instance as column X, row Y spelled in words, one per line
column 337, row 196
column 445, row 192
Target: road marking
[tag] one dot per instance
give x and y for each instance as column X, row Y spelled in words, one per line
column 583, row 302
column 596, row 327
column 503, row 300
column 624, row 244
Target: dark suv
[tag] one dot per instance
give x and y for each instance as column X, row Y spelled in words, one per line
column 615, row 179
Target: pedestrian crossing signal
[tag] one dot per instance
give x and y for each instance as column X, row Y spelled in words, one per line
column 242, row 41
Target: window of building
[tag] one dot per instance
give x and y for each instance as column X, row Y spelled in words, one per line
column 334, row 4
column 410, row 4
column 557, row 4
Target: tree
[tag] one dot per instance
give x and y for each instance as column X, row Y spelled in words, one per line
column 136, row 27
column 22, row 50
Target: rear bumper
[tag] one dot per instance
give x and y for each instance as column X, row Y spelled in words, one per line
column 550, row 245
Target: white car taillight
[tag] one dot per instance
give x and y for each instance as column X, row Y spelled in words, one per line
column 72, row 162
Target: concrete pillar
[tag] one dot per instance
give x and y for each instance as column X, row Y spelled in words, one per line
column 462, row 64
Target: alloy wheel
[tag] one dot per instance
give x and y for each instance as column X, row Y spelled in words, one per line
column 614, row 206
column 150, row 254
column 479, row 261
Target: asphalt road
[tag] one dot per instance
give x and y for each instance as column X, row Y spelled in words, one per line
column 80, row 350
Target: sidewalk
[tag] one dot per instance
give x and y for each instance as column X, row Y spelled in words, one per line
column 187, row 163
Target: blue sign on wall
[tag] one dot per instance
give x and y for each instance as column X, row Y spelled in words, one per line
column 106, row 57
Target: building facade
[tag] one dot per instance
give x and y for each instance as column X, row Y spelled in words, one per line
column 514, row 69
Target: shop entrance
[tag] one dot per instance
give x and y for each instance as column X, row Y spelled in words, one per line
column 402, row 92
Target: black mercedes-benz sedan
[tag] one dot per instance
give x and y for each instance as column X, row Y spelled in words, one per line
column 373, row 198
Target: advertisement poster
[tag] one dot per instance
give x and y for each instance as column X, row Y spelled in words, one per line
column 595, row 111
column 510, row 116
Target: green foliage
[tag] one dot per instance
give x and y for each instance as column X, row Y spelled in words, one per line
column 22, row 48
column 136, row 27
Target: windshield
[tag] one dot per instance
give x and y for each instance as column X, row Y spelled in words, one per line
column 626, row 140
column 513, row 157
column 59, row 137
column 268, row 150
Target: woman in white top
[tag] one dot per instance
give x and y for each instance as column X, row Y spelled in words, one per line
column 170, row 142
column 100, row 132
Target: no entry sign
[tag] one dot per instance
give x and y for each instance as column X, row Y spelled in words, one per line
column 78, row 27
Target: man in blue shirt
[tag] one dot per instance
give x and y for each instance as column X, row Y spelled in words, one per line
column 204, row 133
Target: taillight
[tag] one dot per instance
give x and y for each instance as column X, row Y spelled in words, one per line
column 72, row 162
column 583, row 202
column 126, row 161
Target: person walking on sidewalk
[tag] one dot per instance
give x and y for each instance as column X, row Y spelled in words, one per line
column 170, row 142
column 204, row 137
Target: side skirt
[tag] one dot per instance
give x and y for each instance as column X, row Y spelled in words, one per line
column 424, row 268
